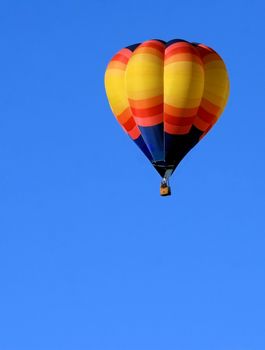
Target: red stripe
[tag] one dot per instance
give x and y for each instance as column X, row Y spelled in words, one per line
column 121, row 58
column 180, row 45
column 206, row 116
column 178, row 50
column 130, row 124
column 179, row 121
column 147, row 112
column 205, row 51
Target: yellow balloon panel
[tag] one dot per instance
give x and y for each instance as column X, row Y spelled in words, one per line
column 116, row 92
column 114, row 83
column 144, row 83
column 144, row 74
column 183, row 84
column 216, row 89
column 183, row 87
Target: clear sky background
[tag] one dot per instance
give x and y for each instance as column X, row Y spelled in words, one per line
column 91, row 257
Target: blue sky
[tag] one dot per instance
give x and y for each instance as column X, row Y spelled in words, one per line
column 91, row 257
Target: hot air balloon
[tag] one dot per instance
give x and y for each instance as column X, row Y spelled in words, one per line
column 166, row 96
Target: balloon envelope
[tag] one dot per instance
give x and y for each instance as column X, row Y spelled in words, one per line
column 167, row 96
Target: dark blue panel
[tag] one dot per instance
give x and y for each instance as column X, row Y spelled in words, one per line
column 177, row 146
column 133, row 47
column 162, row 41
column 141, row 144
column 154, row 139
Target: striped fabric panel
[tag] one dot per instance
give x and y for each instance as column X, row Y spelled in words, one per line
column 216, row 89
column 116, row 93
column 144, row 83
column 183, row 87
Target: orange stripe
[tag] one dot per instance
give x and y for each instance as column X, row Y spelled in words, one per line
column 176, row 130
column 149, row 121
column 124, row 116
column 147, row 112
column 146, row 103
column 117, row 65
column 155, row 44
column 150, row 51
column 183, row 57
column 180, row 112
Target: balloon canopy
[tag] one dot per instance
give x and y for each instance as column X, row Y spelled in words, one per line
column 166, row 96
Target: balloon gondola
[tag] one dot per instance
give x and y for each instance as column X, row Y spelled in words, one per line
column 166, row 96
